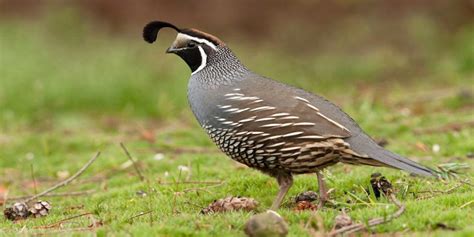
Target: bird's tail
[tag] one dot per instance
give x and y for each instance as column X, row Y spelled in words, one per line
column 368, row 147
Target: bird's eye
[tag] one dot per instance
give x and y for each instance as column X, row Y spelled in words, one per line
column 191, row 44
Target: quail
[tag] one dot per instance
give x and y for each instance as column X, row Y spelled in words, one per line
column 267, row 125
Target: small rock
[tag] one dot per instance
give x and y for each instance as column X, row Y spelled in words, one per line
column 126, row 164
column 183, row 168
column 382, row 142
column 62, row 174
column 30, row 156
column 436, row 148
column 470, row 155
column 342, row 220
column 141, row 193
column 266, row 224
column 309, row 196
column 158, row 156
column 443, row 226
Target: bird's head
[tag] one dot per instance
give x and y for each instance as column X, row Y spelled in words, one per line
column 193, row 46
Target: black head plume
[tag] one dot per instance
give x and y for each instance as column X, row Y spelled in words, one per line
column 150, row 31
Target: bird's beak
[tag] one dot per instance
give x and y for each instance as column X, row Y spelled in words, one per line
column 171, row 49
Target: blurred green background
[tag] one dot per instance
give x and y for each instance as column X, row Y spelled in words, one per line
column 68, row 58
column 76, row 77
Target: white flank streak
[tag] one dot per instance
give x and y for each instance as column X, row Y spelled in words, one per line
column 241, row 133
column 286, row 124
column 203, row 60
column 247, row 119
column 291, row 148
column 332, row 121
column 280, row 114
column 224, row 106
column 311, row 106
column 302, row 99
column 242, row 98
column 231, row 110
column 256, row 133
column 257, row 101
column 237, row 89
column 270, row 125
column 292, row 134
column 204, row 41
column 250, row 98
column 270, row 138
column 311, row 137
column 276, row 144
column 304, row 124
column 234, row 94
column 240, row 110
column 221, row 119
column 290, row 117
column 228, row 122
column 264, row 119
column 263, row 108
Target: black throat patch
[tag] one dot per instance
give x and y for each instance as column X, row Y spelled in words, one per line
column 192, row 57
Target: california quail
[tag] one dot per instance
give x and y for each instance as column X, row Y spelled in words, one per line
column 275, row 128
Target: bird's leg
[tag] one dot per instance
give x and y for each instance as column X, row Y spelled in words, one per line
column 323, row 195
column 284, row 181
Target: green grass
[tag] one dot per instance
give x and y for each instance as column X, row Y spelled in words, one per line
column 65, row 94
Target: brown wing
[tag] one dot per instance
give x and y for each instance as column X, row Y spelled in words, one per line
column 270, row 135
column 291, row 117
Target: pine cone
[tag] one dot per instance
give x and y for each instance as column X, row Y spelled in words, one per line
column 40, row 209
column 380, row 184
column 308, row 196
column 305, row 205
column 231, row 204
column 18, row 211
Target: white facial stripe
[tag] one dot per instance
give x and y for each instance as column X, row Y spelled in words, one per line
column 203, row 60
column 199, row 40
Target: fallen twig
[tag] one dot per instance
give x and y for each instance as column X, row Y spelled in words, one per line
column 67, row 194
column 66, row 181
column 58, row 223
column 194, row 204
column 133, row 162
column 138, row 215
column 376, row 221
column 466, row 204
column 435, row 193
column 191, row 182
